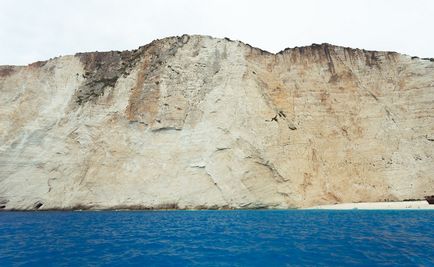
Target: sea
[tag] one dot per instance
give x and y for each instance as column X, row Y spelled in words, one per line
column 218, row 238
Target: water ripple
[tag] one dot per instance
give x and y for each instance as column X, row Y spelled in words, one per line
column 217, row 238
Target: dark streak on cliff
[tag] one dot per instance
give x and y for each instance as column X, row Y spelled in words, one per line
column 7, row 70
column 102, row 70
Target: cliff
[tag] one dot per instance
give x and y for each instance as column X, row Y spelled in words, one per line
column 197, row 122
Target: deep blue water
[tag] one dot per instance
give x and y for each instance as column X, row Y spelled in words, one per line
column 217, row 238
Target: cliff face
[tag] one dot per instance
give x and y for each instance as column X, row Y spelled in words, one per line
column 198, row 122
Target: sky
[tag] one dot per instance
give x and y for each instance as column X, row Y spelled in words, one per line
column 38, row 30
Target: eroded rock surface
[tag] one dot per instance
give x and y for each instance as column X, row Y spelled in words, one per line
column 198, row 122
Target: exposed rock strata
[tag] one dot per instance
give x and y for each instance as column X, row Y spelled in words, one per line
column 199, row 122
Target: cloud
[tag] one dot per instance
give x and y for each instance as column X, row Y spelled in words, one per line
column 38, row 30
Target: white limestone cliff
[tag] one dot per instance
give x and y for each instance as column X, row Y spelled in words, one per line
column 195, row 122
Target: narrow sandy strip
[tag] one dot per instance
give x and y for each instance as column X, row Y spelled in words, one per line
column 378, row 206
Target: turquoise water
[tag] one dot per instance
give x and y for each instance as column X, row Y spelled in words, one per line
column 217, row 238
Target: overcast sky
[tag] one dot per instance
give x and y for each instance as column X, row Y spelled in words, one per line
column 37, row 30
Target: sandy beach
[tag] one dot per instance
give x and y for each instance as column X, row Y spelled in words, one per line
column 402, row 205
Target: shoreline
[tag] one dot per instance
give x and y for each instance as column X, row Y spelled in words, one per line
column 399, row 205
